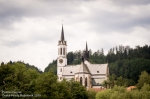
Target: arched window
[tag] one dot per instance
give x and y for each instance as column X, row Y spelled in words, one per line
column 81, row 80
column 86, row 82
column 61, row 70
column 64, row 51
column 60, row 51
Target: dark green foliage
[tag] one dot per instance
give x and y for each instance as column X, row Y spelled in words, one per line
column 16, row 76
column 77, row 90
column 125, row 52
column 98, row 57
column 130, row 69
column 127, row 64
column 49, row 88
column 70, row 58
column 74, row 57
column 30, row 66
column 52, row 67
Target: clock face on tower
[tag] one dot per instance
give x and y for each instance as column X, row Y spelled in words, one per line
column 61, row 61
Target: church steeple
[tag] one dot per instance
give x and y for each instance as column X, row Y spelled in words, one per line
column 86, row 47
column 86, row 53
column 62, row 34
column 62, row 55
column 62, row 38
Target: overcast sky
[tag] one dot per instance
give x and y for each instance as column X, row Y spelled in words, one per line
column 30, row 29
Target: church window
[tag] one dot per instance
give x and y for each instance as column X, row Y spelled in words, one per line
column 81, row 80
column 86, row 82
column 97, row 71
column 64, row 51
column 60, row 51
column 61, row 70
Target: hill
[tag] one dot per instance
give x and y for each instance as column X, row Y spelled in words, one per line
column 27, row 65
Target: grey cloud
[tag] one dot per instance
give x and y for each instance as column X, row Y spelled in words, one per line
column 12, row 11
column 132, row 2
column 108, row 21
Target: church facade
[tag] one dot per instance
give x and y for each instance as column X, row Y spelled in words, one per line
column 89, row 75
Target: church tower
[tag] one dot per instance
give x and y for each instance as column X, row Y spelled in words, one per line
column 62, row 52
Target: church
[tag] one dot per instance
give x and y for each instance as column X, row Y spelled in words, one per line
column 89, row 75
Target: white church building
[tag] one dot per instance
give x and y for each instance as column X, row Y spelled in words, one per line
column 89, row 75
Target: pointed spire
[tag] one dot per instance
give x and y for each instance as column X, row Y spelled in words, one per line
column 86, row 53
column 86, row 47
column 62, row 34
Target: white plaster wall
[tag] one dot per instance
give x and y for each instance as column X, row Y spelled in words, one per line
column 59, row 70
column 63, row 57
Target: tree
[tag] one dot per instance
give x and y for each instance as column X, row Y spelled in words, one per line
column 144, row 78
column 77, row 90
column 105, row 94
column 70, row 58
column 146, row 87
column 91, row 94
column 46, row 85
column 17, row 76
column 2, row 64
column 52, row 67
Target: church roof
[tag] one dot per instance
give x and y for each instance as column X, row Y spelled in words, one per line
column 83, row 68
column 98, row 69
column 62, row 38
column 87, row 67
column 70, row 69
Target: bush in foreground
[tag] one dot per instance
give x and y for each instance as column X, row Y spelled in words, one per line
column 121, row 93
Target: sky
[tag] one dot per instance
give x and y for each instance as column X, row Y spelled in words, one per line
column 30, row 29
